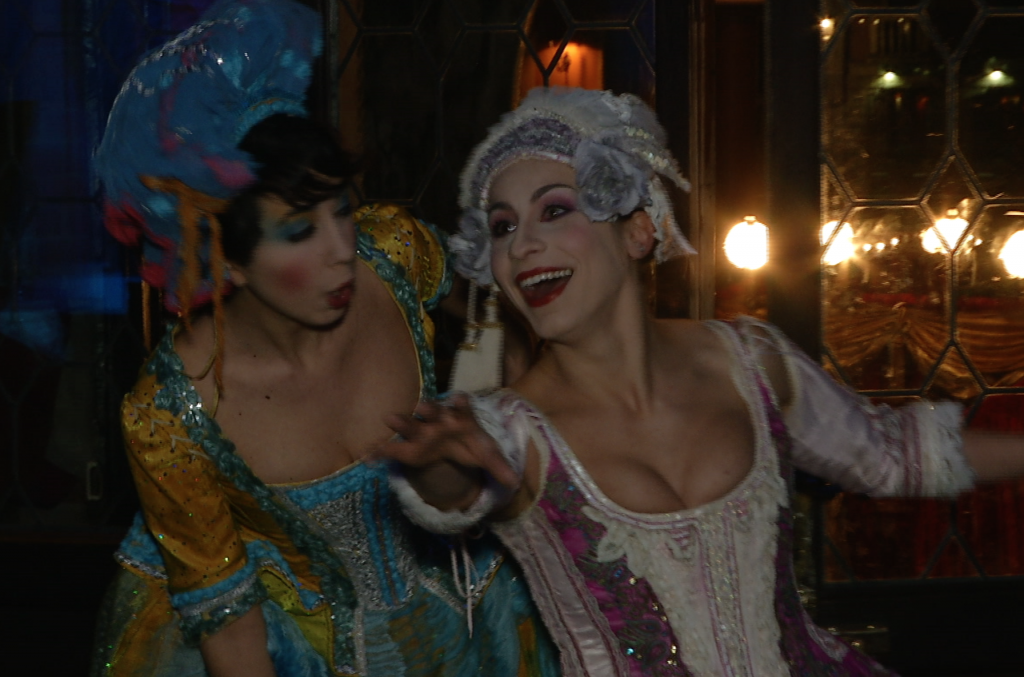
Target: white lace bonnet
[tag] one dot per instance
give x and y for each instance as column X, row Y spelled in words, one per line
column 615, row 145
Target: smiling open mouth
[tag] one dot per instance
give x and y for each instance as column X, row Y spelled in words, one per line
column 534, row 280
column 541, row 288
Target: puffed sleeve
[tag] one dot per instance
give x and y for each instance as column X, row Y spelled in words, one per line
column 417, row 246
column 839, row 435
column 209, row 577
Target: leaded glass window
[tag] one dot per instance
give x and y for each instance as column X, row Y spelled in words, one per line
column 922, row 203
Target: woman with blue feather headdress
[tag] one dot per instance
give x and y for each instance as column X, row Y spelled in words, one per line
column 266, row 544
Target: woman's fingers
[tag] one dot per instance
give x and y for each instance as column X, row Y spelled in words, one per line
column 436, row 433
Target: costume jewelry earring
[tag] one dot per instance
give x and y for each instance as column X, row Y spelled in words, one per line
column 478, row 359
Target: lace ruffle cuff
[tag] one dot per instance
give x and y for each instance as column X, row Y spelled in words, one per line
column 510, row 432
column 940, row 468
column 205, row 612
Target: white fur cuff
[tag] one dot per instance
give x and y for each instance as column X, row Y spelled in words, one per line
column 511, row 433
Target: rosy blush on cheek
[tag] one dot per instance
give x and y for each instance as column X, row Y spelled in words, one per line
column 581, row 235
column 292, row 278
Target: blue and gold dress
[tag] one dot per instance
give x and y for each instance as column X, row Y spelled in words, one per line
column 346, row 584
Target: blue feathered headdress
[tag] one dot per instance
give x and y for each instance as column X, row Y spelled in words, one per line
column 169, row 160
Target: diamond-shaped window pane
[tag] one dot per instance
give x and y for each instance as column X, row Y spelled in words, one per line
column 624, row 65
column 835, row 200
column 952, row 195
column 946, row 246
column 546, row 31
column 990, row 313
column 952, row 19
column 440, row 29
column 953, row 561
column 991, row 113
column 884, row 106
column 877, row 293
column 952, row 376
column 645, row 26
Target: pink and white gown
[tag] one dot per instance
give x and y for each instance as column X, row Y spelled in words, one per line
column 710, row 591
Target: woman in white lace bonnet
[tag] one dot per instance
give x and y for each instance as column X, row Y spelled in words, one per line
column 653, row 516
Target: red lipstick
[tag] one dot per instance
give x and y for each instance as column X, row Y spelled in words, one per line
column 544, row 292
column 340, row 297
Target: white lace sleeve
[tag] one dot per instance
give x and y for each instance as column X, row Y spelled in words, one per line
column 511, row 432
column 839, row 435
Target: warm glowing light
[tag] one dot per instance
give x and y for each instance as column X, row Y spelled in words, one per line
column 997, row 76
column 1012, row 255
column 578, row 65
column 827, row 28
column 879, row 246
column 865, row 247
column 931, row 243
column 895, row 241
column 746, row 245
column 841, row 247
column 943, row 236
column 890, row 76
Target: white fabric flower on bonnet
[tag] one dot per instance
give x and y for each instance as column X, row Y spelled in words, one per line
column 614, row 143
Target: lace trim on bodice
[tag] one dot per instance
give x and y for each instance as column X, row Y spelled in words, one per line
column 711, row 569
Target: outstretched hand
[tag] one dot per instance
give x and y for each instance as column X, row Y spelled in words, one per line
column 446, row 434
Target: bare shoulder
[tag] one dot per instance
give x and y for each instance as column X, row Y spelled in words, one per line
column 705, row 348
column 196, row 344
column 694, row 344
column 690, row 357
column 769, row 350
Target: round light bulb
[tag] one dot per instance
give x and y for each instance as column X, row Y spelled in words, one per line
column 746, row 245
column 1012, row 255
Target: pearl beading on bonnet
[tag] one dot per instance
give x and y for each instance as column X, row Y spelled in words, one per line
column 614, row 143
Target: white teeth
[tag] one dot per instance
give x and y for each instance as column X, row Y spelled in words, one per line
column 550, row 275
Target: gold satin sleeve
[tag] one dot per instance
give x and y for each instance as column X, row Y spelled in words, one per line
column 183, row 502
column 409, row 242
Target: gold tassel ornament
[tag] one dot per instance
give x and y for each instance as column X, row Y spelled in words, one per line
column 478, row 360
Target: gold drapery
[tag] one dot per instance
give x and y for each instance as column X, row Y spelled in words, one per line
column 897, row 538
column 992, row 338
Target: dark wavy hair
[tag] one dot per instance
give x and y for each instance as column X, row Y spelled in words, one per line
column 299, row 161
